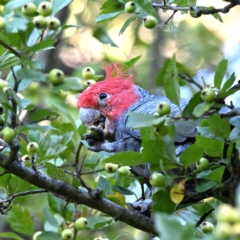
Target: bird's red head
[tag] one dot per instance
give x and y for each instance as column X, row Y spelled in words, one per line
column 113, row 96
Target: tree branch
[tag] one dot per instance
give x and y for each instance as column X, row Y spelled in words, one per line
column 23, row 194
column 15, row 52
column 198, row 11
column 72, row 194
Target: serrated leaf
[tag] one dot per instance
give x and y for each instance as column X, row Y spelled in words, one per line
column 69, row 84
column 56, row 204
column 144, row 8
column 220, row 72
column 219, row 126
column 20, row 220
column 211, row 147
column 126, row 24
column 170, row 82
column 191, row 155
column 228, row 93
column 104, row 185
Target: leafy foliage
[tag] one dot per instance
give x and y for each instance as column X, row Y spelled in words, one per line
column 37, row 111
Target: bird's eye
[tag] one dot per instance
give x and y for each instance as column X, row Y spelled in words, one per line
column 102, row 96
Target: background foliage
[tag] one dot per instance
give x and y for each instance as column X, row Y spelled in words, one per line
column 195, row 42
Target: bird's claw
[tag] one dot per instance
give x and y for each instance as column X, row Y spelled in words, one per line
column 95, row 139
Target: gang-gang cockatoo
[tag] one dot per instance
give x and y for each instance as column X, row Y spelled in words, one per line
column 104, row 107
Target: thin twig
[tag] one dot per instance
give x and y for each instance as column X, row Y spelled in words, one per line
column 92, row 172
column 23, row 194
column 190, row 80
column 15, row 52
column 170, row 17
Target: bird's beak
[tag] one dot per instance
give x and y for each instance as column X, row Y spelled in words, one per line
column 92, row 117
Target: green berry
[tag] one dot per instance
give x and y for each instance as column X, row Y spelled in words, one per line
column 111, row 168
column 88, row 73
column 202, row 164
column 81, row 223
column 67, row 234
column 27, row 160
column 45, row 8
column 8, row 134
column 130, row 7
column 150, row 22
column 124, row 171
column 53, row 23
column 227, row 214
column 32, row 147
column 40, row 22
column 29, row 9
column 207, row 95
column 207, row 227
column 89, row 83
column 157, row 179
column 3, row 83
column 2, row 23
column 163, row 108
column 56, row 76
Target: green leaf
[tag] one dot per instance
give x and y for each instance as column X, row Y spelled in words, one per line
column 56, row 204
column 16, row 24
column 220, row 72
column 126, row 158
column 219, row 126
column 32, row 75
column 104, row 185
column 20, row 220
column 103, row 37
column 206, row 185
column 43, row 45
column 231, row 91
column 59, row 174
column 131, row 62
column 126, row 24
column 47, row 235
column 69, row 84
column 107, row 17
column 144, row 8
column 10, row 235
column 50, row 218
column 139, row 120
column 43, row 114
column 170, row 82
column 123, row 190
column 211, row 147
column 201, row 108
column 16, row 185
column 153, row 153
column 57, row 5
column 216, row 174
column 164, row 224
column 162, row 202
column 191, row 155
column 229, row 82
column 97, row 222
